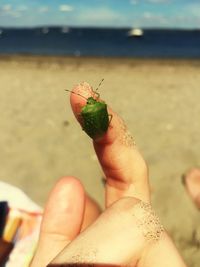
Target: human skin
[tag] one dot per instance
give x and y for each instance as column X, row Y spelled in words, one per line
column 127, row 232
column 191, row 180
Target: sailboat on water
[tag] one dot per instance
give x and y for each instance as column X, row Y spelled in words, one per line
column 135, row 32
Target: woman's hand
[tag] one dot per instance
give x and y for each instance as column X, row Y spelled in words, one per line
column 128, row 232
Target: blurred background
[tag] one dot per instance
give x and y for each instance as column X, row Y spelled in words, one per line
column 148, row 52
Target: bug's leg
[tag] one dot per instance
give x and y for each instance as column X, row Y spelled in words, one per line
column 110, row 116
column 97, row 95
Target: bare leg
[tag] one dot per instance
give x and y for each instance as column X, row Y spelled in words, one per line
column 191, row 180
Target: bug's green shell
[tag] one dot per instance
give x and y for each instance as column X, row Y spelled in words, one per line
column 95, row 118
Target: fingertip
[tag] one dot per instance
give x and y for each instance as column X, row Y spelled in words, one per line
column 65, row 182
column 66, row 202
column 78, row 97
column 64, row 188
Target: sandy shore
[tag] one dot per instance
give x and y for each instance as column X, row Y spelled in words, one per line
column 159, row 100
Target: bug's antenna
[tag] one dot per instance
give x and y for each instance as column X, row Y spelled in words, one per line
column 76, row 94
column 99, row 85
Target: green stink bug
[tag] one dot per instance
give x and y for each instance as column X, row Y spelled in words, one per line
column 94, row 115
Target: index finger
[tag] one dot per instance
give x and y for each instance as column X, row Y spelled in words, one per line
column 123, row 165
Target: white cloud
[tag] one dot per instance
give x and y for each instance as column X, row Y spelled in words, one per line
column 152, row 19
column 192, row 9
column 134, row 2
column 43, row 9
column 8, row 11
column 147, row 15
column 6, row 8
column 65, row 8
column 159, row 1
column 22, row 8
column 100, row 17
column 15, row 14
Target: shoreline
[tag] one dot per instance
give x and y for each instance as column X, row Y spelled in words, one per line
column 109, row 60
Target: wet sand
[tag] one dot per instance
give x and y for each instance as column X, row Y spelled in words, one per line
column 159, row 100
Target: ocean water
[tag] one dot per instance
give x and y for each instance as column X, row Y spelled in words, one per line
column 154, row 43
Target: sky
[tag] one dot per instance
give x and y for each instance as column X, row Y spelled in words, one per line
column 101, row 13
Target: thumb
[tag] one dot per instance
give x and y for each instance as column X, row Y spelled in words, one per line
column 114, row 239
column 128, row 233
column 62, row 219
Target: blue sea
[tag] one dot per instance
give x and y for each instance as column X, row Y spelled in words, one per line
column 100, row 42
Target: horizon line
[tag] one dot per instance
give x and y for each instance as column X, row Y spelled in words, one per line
column 99, row 27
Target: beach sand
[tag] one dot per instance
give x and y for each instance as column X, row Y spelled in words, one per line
column 41, row 141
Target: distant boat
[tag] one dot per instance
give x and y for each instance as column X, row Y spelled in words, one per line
column 65, row 29
column 45, row 30
column 1, row 31
column 136, row 32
